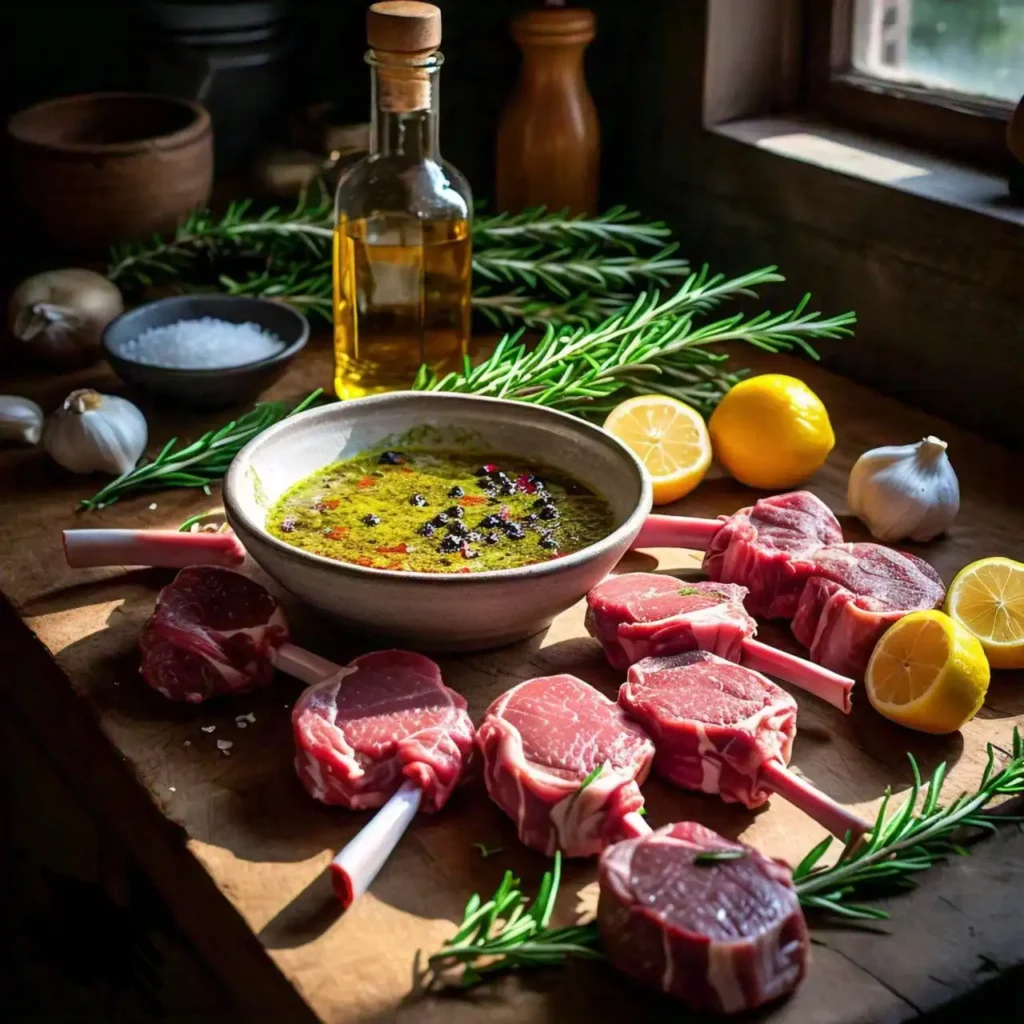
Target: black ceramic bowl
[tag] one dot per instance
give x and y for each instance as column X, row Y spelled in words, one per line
column 206, row 389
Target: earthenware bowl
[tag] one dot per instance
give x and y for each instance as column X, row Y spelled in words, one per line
column 205, row 389
column 432, row 611
column 103, row 168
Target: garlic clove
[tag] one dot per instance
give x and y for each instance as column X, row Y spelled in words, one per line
column 94, row 432
column 21, row 419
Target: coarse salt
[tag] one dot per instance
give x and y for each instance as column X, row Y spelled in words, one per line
column 209, row 728
column 224, row 745
column 206, row 343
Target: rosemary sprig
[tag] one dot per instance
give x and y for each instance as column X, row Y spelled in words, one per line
column 200, row 463
column 908, row 841
column 564, row 272
column 617, row 226
column 652, row 346
column 505, row 933
column 501, row 935
column 286, row 254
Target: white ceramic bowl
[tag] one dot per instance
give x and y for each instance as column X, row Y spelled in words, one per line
column 435, row 611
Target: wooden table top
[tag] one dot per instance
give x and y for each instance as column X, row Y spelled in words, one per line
column 239, row 850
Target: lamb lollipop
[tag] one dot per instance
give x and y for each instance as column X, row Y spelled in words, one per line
column 724, row 729
column 382, row 732
column 638, row 615
column 565, row 763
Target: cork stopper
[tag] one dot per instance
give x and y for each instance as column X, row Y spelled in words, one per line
column 403, row 26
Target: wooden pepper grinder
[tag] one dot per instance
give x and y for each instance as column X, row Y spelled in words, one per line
column 549, row 136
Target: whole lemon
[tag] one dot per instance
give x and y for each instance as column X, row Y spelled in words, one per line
column 771, row 431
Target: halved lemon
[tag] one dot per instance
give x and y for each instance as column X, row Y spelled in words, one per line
column 670, row 439
column 987, row 597
column 928, row 673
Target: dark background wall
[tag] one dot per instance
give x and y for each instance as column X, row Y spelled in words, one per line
column 55, row 48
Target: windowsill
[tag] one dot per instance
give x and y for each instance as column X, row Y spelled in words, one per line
column 878, row 162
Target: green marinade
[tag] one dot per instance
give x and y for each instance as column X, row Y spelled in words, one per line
column 362, row 511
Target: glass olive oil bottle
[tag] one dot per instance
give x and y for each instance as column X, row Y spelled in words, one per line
column 401, row 238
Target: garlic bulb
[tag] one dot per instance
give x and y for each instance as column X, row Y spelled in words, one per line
column 60, row 314
column 905, row 491
column 92, row 432
column 21, row 419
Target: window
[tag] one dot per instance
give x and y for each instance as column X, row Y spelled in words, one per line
column 938, row 74
column 974, row 47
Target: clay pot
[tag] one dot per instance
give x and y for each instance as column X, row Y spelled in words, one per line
column 102, row 168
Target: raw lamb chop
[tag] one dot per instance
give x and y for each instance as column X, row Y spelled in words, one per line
column 767, row 548
column 724, row 729
column 384, row 730
column 540, row 741
column 788, row 551
column 212, row 633
column 858, row 591
column 639, row 615
column 724, row 936
column 165, row 549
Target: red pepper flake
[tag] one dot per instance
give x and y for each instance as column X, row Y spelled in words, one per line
column 465, row 568
column 398, row 549
column 337, row 533
column 364, row 561
column 394, row 565
column 329, row 505
column 490, row 467
column 406, row 469
column 524, row 483
column 504, row 512
column 472, row 499
column 368, row 481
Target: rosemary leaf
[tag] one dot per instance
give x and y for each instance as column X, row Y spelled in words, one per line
column 201, row 462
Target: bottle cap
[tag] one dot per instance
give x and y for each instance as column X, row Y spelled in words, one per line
column 403, row 26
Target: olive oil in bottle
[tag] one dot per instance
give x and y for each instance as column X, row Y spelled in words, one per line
column 402, row 237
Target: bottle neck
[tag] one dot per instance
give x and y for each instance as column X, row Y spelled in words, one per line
column 404, row 115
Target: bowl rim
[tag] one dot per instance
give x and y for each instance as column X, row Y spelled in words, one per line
column 631, row 524
column 19, row 125
column 184, row 373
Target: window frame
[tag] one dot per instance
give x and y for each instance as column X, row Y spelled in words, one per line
column 951, row 124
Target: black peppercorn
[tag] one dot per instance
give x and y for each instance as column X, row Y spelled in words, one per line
column 427, row 530
column 514, row 531
column 548, row 512
column 455, row 512
column 529, row 520
column 456, row 492
column 450, row 545
column 491, row 538
column 391, row 459
column 490, row 522
column 547, row 541
column 418, row 501
column 440, row 519
column 457, row 529
column 472, row 537
column 371, row 520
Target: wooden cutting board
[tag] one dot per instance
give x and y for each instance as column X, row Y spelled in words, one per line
column 238, row 850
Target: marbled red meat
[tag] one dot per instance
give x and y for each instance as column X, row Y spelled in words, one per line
column 211, row 634
column 725, row 936
column 714, row 723
column 857, row 592
column 724, row 729
column 540, row 740
column 640, row 615
column 384, row 718
column 769, row 548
